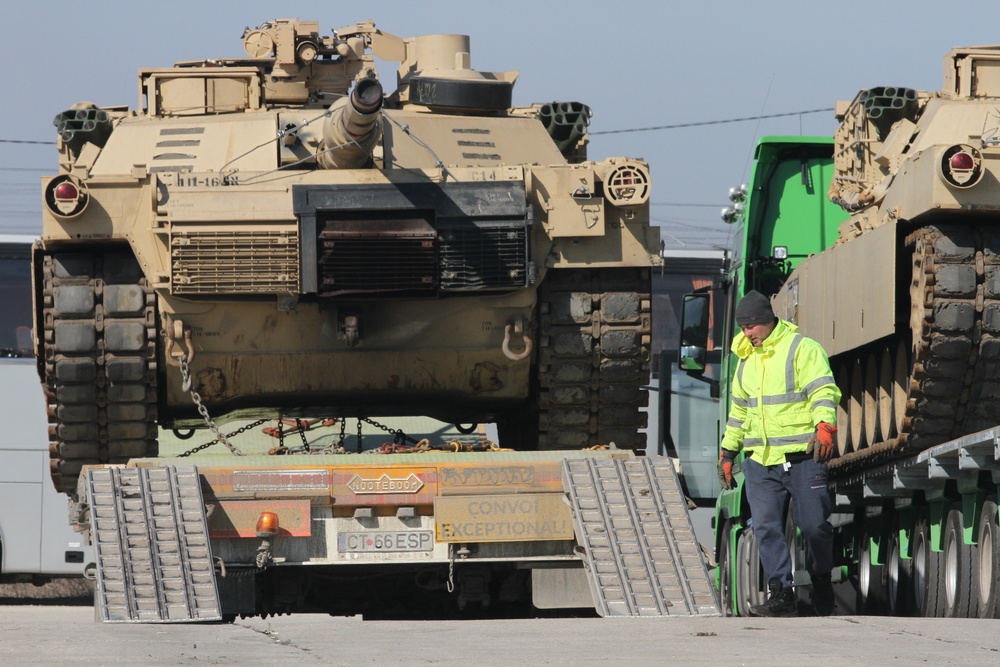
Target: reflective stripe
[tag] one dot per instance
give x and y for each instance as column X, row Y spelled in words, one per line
column 817, row 383
column 736, row 423
column 739, row 372
column 778, row 399
column 781, row 441
column 790, row 364
column 742, row 402
column 824, row 403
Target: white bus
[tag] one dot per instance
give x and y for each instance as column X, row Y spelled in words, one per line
column 36, row 540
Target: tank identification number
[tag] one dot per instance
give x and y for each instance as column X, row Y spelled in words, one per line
column 385, row 484
column 385, row 541
column 502, row 518
column 185, row 180
column 991, row 128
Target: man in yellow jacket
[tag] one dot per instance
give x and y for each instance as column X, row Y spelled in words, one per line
column 783, row 414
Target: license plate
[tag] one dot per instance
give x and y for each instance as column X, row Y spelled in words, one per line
column 386, row 541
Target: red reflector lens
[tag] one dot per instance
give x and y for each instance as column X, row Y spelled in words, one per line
column 69, row 192
column 267, row 524
column 962, row 161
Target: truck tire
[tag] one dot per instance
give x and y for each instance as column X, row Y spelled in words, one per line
column 872, row 584
column 725, row 560
column 750, row 586
column 98, row 356
column 928, row 589
column 898, row 573
column 957, row 570
column 986, row 567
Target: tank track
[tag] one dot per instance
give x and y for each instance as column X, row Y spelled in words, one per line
column 99, row 362
column 954, row 378
column 593, row 360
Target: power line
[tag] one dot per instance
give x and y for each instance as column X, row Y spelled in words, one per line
column 24, row 141
column 713, row 122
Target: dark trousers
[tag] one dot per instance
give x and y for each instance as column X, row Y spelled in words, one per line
column 769, row 489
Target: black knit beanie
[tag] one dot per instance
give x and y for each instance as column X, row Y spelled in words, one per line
column 754, row 308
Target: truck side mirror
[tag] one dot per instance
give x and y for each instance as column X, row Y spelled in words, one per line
column 694, row 333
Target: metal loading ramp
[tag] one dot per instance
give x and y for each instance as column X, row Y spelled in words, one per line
column 150, row 533
column 639, row 549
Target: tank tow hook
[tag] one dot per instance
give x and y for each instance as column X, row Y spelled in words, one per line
column 177, row 334
column 515, row 326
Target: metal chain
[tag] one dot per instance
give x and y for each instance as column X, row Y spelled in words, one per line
column 231, row 434
column 202, row 410
column 359, row 436
column 343, row 432
column 398, row 433
column 451, row 568
column 302, row 434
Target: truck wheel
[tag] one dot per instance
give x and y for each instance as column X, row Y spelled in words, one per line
column 986, row 567
column 928, row 593
column 750, row 587
column 957, row 567
column 725, row 561
column 872, row 586
column 98, row 356
column 593, row 358
column 898, row 574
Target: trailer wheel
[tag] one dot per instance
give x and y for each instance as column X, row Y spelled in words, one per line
column 751, row 588
column 986, row 568
column 725, row 561
column 872, row 585
column 928, row 593
column 898, row 574
column 957, row 566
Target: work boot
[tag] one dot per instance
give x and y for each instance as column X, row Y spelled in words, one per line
column 822, row 595
column 781, row 601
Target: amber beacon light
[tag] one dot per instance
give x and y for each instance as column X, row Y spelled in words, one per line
column 267, row 525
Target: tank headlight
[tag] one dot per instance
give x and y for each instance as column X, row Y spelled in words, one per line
column 627, row 184
column 66, row 196
column 962, row 166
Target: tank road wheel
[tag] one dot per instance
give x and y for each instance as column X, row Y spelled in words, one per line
column 856, row 405
column 99, row 351
column 725, row 561
column 900, row 386
column 844, row 442
column 871, row 400
column 884, row 393
column 957, row 567
column 594, row 337
column 986, row 567
column 928, row 594
column 750, row 587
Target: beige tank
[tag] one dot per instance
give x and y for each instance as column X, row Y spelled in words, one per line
column 280, row 235
column 908, row 301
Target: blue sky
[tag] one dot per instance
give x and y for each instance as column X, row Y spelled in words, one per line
column 638, row 64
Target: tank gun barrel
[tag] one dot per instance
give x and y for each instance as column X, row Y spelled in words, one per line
column 351, row 130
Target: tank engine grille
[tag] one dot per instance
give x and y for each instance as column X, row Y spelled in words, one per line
column 244, row 262
column 411, row 258
column 483, row 257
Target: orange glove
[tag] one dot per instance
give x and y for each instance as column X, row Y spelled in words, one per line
column 726, row 458
column 823, row 442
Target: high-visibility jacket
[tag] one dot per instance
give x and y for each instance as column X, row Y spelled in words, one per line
column 780, row 392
